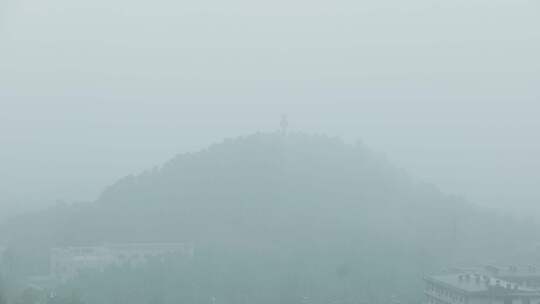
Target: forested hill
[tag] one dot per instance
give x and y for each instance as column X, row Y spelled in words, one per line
column 293, row 198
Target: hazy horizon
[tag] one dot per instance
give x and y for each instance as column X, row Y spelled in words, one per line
column 93, row 91
column 143, row 160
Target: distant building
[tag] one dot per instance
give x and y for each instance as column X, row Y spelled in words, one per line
column 524, row 275
column 467, row 288
column 40, row 283
column 67, row 262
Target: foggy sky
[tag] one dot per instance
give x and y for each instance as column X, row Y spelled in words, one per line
column 91, row 91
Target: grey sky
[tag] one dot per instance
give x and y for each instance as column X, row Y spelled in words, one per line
column 94, row 90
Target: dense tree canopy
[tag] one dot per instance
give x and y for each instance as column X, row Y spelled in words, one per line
column 273, row 218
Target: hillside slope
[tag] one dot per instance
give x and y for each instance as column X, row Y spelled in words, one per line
column 307, row 202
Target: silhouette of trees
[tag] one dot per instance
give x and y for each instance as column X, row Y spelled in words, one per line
column 274, row 218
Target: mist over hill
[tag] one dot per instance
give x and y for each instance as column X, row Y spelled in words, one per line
column 337, row 219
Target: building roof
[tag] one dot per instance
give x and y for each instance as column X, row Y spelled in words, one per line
column 477, row 284
column 514, row 271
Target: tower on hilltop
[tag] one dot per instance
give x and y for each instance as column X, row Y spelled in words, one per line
column 284, row 124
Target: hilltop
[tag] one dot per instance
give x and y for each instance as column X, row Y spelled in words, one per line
column 331, row 210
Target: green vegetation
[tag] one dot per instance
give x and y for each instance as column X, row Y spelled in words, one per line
column 274, row 219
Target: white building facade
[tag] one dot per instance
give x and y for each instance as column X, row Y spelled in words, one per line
column 68, row 262
column 466, row 288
